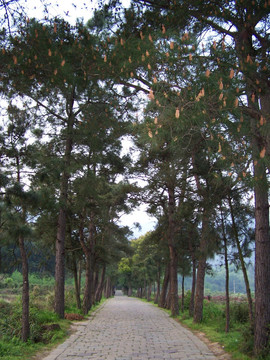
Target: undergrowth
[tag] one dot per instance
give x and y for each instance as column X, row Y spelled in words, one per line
column 238, row 342
column 46, row 329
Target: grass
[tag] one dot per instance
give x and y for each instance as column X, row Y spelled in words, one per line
column 12, row 348
column 42, row 338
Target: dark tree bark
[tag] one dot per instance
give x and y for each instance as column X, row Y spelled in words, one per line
column 193, row 287
column 96, row 282
column 262, row 261
column 88, row 250
column 162, row 299
column 149, row 291
column 25, row 292
column 76, row 282
column 89, row 277
column 101, row 284
column 227, row 291
column 183, row 294
column 156, row 301
column 242, row 261
column 174, row 301
column 108, row 288
column 203, row 251
column 61, row 227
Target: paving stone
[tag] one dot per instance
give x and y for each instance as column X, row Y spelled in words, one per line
column 129, row 329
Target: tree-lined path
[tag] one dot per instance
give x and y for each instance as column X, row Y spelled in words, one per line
column 129, row 329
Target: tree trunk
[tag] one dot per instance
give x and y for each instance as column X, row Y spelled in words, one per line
column 174, row 301
column 108, row 292
column 144, row 289
column 96, row 282
column 76, row 282
column 59, row 306
column 89, row 276
column 262, row 260
column 203, row 250
column 25, row 292
column 149, row 291
column 168, row 300
column 61, row 227
column 183, row 294
column 101, row 284
column 158, row 287
column 199, row 293
column 89, row 263
column 80, row 275
column 242, row 261
column 227, row 327
column 227, row 280
column 162, row 299
column 193, row 287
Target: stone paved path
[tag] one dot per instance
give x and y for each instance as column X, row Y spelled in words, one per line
column 129, row 329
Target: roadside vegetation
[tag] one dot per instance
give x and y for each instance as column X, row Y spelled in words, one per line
column 238, row 343
column 163, row 104
column 47, row 329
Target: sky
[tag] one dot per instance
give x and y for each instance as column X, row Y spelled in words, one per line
column 71, row 10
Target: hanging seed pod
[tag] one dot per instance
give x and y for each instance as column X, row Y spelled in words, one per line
column 220, row 84
column 262, row 153
column 231, row 74
column 151, row 95
column 171, row 45
column 236, row 101
column 207, row 73
column 177, row 113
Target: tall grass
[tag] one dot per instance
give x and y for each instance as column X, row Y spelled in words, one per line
column 46, row 329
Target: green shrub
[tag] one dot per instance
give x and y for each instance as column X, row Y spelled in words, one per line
column 239, row 312
column 17, row 277
column 246, row 344
column 187, row 300
column 213, row 312
column 8, row 283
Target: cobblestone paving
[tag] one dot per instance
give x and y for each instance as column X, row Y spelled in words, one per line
column 129, row 329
